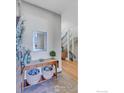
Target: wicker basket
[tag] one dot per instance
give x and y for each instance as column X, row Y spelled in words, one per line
column 48, row 72
column 33, row 79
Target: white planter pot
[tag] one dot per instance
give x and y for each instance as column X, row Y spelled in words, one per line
column 47, row 74
column 33, row 79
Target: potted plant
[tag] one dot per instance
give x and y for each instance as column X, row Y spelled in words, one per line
column 52, row 53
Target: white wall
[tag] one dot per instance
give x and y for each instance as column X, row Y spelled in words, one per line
column 70, row 19
column 69, row 22
column 41, row 19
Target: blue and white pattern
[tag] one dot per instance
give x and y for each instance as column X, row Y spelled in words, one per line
column 34, row 72
column 48, row 68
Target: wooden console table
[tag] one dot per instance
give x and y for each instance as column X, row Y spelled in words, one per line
column 36, row 64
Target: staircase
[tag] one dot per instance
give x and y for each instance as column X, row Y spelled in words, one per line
column 69, row 46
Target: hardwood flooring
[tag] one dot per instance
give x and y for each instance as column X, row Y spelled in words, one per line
column 70, row 68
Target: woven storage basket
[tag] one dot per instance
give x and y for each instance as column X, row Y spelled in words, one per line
column 33, row 79
column 48, row 72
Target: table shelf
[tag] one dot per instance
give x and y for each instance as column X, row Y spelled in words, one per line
column 26, row 85
column 35, row 64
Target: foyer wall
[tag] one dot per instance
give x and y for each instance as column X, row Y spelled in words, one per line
column 40, row 19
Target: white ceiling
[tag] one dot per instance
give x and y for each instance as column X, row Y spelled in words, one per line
column 58, row 6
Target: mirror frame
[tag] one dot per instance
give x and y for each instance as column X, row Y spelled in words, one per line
column 45, row 41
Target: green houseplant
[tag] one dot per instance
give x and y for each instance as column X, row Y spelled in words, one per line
column 52, row 53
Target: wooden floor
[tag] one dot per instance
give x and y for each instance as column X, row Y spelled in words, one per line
column 70, row 68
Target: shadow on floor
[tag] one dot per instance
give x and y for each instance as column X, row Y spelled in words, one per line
column 63, row 84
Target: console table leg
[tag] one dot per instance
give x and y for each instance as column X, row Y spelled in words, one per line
column 56, row 70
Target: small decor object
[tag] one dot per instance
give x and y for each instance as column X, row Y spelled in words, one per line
column 48, row 72
column 27, row 56
column 52, row 53
column 41, row 60
column 62, row 49
column 33, row 76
